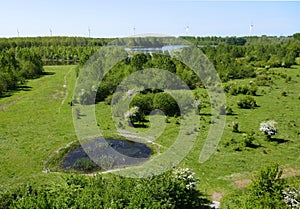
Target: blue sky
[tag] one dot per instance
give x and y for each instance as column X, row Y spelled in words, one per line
column 112, row 18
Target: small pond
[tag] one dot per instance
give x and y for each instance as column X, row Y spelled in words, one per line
column 152, row 49
column 105, row 154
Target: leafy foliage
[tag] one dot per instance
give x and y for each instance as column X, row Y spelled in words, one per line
column 247, row 102
column 134, row 115
column 166, row 103
column 292, row 197
column 268, row 128
column 15, row 68
column 265, row 191
column 174, row 189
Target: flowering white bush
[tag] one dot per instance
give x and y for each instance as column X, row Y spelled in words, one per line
column 197, row 105
column 268, row 128
column 134, row 115
column 292, row 197
column 187, row 176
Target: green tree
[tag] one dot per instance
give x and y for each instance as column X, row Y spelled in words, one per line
column 166, row 103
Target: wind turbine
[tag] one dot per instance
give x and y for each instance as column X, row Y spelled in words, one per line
column 50, row 32
column 18, row 32
column 251, row 29
column 89, row 32
column 187, row 30
column 134, row 30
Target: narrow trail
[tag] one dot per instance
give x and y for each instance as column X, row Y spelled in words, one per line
column 66, row 92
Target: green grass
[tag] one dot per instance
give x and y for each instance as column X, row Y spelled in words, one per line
column 35, row 123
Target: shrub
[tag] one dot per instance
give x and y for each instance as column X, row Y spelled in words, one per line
column 144, row 102
column 284, row 93
column 248, row 140
column 197, row 104
column 292, row 197
column 235, row 127
column 235, row 89
column 265, row 192
column 247, row 102
column 166, row 103
column 266, row 189
column 172, row 189
column 264, row 80
column 134, row 115
column 268, row 128
column 225, row 110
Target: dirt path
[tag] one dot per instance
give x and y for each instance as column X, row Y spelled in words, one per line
column 66, row 92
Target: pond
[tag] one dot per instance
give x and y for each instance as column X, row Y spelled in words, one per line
column 152, row 49
column 105, row 154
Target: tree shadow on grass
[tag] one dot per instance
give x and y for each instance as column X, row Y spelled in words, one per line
column 205, row 114
column 15, row 90
column 140, row 125
column 18, row 88
column 24, row 88
column 48, row 73
column 254, row 146
column 279, row 141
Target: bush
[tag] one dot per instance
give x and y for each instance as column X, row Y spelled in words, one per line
column 248, row 140
column 266, row 189
column 292, row 197
column 264, row 80
column 166, row 103
column 235, row 89
column 247, row 102
column 235, row 127
column 268, row 128
column 134, row 115
column 144, row 102
column 284, row 93
column 225, row 110
column 173, row 189
column 265, row 192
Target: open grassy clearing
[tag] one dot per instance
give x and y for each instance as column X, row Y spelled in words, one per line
column 37, row 122
column 34, row 124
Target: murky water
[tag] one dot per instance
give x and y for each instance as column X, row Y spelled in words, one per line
column 106, row 154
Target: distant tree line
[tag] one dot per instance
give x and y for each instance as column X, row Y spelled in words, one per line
column 233, row 57
column 239, row 41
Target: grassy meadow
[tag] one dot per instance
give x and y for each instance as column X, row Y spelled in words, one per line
column 37, row 120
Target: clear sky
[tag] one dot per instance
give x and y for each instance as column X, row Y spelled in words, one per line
column 112, row 18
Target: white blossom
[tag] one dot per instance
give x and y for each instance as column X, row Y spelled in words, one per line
column 187, row 176
column 292, row 197
column 268, row 128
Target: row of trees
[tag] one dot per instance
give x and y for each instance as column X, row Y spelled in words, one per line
column 18, row 66
column 28, row 42
column 240, row 41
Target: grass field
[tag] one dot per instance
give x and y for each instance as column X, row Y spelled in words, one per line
column 37, row 121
